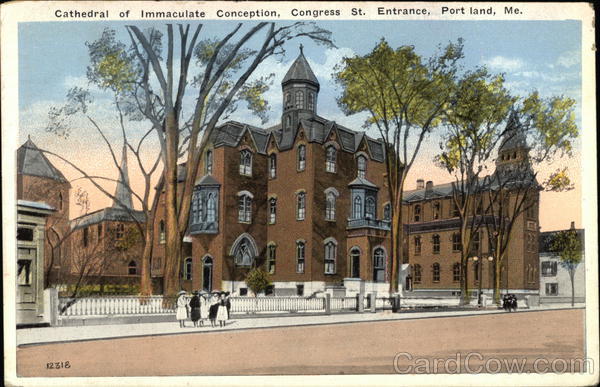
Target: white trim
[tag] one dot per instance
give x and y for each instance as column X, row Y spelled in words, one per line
column 354, row 247
column 207, row 256
column 332, row 190
column 242, row 193
column 333, row 144
column 361, row 153
column 330, row 239
column 239, row 239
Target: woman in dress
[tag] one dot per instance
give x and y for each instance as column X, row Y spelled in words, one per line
column 195, row 308
column 181, row 312
column 204, row 308
column 212, row 311
column 222, row 314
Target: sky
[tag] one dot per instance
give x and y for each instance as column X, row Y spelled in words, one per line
column 533, row 55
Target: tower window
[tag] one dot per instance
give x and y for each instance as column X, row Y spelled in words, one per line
column 299, row 99
column 311, row 101
column 361, row 163
column 209, row 162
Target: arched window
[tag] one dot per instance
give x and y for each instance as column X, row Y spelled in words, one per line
column 330, row 159
column 379, row 265
column 417, row 213
column 437, row 209
column 121, row 231
column 357, row 207
column 417, row 245
column 162, row 235
column 456, row 272
column 417, row 274
column 355, row 263
column 187, row 269
column 301, row 157
column 300, row 205
column 311, row 101
column 245, row 209
column 330, row 257
column 246, row 163
column 132, row 268
column 436, row 243
column 211, row 208
column 272, row 210
column 271, row 256
column 244, row 254
column 330, row 206
column 273, row 165
column 370, row 208
column 387, row 212
column 435, row 271
column 288, row 100
column 299, row 99
column 209, row 162
column 300, row 256
column 361, row 165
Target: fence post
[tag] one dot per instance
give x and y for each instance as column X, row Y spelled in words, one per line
column 327, row 303
column 373, row 301
column 396, row 304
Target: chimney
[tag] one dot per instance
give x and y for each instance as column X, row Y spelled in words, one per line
column 420, row 184
column 429, row 186
column 572, row 225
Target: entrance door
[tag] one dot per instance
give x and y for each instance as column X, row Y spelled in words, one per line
column 26, row 275
column 355, row 263
column 207, row 265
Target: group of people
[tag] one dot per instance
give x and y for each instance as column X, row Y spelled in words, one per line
column 509, row 302
column 214, row 306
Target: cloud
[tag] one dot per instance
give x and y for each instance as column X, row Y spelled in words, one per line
column 569, row 59
column 333, row 57
column 503, row 63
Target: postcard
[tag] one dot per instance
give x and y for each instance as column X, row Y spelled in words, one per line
column 293, row 193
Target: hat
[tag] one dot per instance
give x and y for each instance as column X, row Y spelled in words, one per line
column 181, row 292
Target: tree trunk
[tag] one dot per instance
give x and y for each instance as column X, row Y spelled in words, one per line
column 146, row 275
column 572, row 276
column 497, row 279
column 396, row 258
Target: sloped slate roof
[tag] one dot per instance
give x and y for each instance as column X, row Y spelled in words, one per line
column 360, row 181
column 438, row 191
column 300, row 71
column 231, row 132
column 207, row 180
column 107, row 214
column 32, row 161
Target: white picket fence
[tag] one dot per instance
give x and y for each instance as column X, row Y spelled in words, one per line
column 276, row 304
column 117, row 305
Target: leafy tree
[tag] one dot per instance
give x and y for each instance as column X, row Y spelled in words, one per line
column 404, row 97
column 257, row 280
column 568, row 245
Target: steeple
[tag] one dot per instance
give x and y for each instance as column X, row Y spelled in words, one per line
column 513, row 148
column 122, row 192
column 300, row 89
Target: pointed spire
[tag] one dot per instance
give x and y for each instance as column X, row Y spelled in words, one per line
column 122, row 192
column 300, row 71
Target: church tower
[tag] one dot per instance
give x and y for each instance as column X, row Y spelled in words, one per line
column 513, row 151
column 122, row 192
column 300, row 89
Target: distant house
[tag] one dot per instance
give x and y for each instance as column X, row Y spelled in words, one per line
column 555, row 283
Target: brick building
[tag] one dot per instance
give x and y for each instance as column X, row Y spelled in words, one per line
column 303, row 199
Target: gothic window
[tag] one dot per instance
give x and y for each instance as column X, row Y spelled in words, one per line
column 60, row 201
column 211, row 208
column 361, row 165
column 209, row 162
column 435, row 272
column 132, row 268
column 245, row 209
column 311, row 101
column 330, row 255
column 300, row 206
column 288, row 100
column 355, row 263
column 436, row 244
column 246, row 163
column 330, row 206
column 271, row 255
column 456, row 272
column 301, row 157
column 161, row 232
column 187, row 269
column 417, row 274
column 437, row 207
column 417, row 213
column 387, row 212
column 197, row 208
column 330, row 159
column 357, row 207
column 300, row 256
column 272, row 165
column 272, row 210
column 456, row 245
column 243, row 253
column 379, row 265
column 417, row 245
column 370, row 208
column 121, row 231
column 299, row 99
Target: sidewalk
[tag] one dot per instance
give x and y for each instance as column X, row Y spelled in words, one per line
column 32, row 336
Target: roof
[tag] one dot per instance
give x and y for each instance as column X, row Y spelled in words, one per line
column 360, row 181
column 300, row 71
column 108, row 214
column 231, row 132
column 514, row 136
column 207, row 180
column 32, row 161
column 36, row 205
column 545, row 239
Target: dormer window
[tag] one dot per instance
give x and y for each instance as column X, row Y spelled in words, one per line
column 301, row 157
column 330, row 160
column 299, row 99
column 246, row 163
column 273, row 166
column 288, row 101
column 361, row 165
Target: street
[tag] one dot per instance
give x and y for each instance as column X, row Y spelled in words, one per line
column 386, row 347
